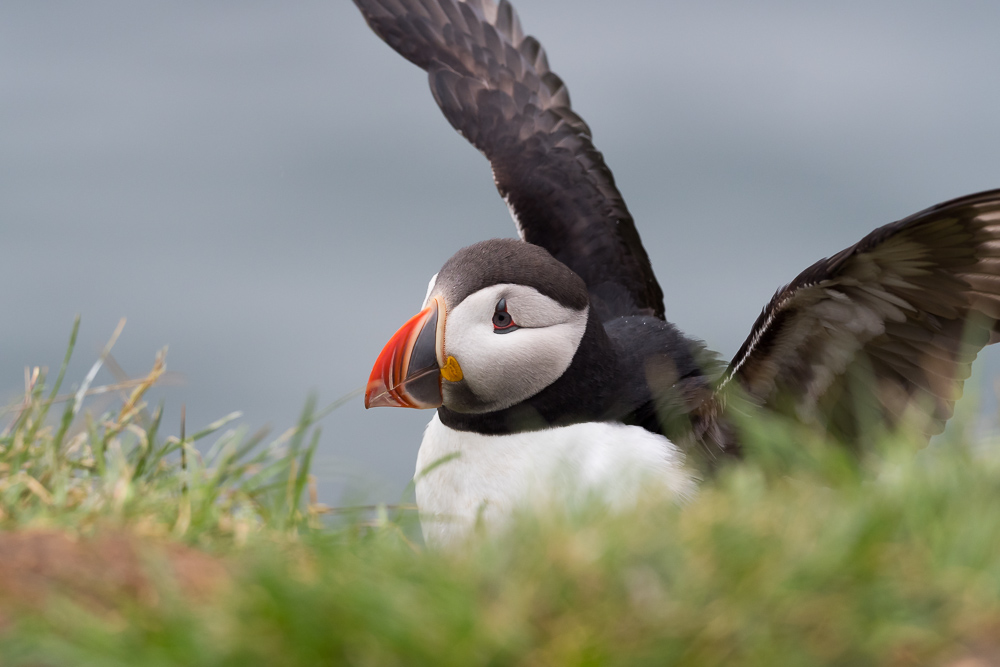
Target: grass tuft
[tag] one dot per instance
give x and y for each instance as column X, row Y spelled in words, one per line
column 802, row 554
column 115, row 469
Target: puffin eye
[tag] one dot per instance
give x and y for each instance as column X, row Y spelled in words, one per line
column 502, row 321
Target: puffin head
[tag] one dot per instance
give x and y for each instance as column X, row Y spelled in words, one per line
column 501, row 321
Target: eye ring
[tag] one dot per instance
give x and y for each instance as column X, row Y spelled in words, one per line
column 502, row 321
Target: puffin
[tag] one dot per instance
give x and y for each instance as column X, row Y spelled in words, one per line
column 548, row 359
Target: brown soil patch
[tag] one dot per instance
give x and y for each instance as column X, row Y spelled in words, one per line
column 100, row 573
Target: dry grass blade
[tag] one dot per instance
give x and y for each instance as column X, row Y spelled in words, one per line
column 82, row 392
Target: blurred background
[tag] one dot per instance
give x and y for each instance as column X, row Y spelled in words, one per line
column 266, row 187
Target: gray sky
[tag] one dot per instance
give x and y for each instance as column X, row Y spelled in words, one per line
column 266, row 187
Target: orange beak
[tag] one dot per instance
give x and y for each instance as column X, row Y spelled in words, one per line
column 407, row 374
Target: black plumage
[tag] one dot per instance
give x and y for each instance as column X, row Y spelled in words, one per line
column 895, row 320
column 890, row 323
column 495, row 87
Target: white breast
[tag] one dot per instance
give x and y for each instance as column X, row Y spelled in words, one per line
column 463, row 478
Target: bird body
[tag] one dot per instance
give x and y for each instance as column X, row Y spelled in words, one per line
column 551, row 355
column 463, row 477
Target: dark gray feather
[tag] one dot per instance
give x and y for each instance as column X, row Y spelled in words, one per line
column 494, row 86
column 890, row 324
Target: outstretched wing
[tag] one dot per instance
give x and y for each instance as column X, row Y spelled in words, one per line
column 494, row 86
column 892, row 322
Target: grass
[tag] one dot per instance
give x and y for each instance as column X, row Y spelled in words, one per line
column 801, row 555
column 78, row 470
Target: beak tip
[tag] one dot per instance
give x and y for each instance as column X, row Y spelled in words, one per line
column 378, row 395
column 406, row 373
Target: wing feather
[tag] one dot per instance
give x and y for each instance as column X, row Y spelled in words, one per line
column 892, row 322
column 494, row 86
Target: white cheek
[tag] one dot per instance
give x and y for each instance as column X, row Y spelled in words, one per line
column 504, row 369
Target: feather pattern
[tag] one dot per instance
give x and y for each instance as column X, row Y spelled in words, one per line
column 892, row 322
column 889, row 324
column 495, row 87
